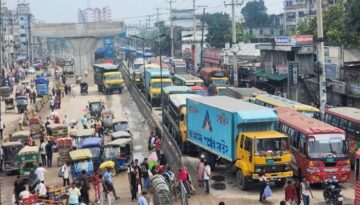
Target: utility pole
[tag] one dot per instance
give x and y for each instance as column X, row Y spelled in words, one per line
column 320, row 53
column 202, row 41
column 171, row 28
column 1, row 40
column 194, row 21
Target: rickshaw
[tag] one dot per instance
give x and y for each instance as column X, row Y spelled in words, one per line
column 120, row 151
column 95, row 108
column 120, row 135
column 57, row 131
column 137, row 78
column 37, row 129
column 94, row 144
column 5, row 91
column 81, row 159
column 77, row 79
column 10, row 150
column 121, row 126
column 9, row 104
column 64, row 146
column 84, row 88
column 107, row 117
column 79, row 135
column 28, row 159
column 21, row 136
column 21, row 103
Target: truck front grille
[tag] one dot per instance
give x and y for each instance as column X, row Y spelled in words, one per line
column 270, row 168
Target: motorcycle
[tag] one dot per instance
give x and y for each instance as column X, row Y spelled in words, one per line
column 332, row 193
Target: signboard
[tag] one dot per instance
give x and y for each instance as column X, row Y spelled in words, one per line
column 303, row 39
column 282, row 40
column 293, row 73
column 108, row 41
column 306, row 50
column 338, row 87
column 182, row 14
column 330, row 71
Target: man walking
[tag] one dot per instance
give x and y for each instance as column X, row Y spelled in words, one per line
column 49, row 153
column 290, row 193
column 40, row 173
column 207, row 175
column 84, row 122
column 108, row 181
column 2, row 127
column 43, row 152
column 65, row 169
column 1, row 158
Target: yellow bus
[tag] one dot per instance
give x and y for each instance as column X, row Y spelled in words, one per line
column 277, row 101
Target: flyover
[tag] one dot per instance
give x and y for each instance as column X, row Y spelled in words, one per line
column 84, row 38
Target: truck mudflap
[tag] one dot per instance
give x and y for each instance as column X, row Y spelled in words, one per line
column 274, row 176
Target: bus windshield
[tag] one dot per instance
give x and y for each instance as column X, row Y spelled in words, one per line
column 271, row 146
column 112, row 77
column 158, row 85
column 327, row 146
column 220, row 81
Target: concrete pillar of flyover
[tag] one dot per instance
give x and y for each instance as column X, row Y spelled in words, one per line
column 84, row 51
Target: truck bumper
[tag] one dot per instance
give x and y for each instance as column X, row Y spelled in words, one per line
column 114, row 88
column 274, row 176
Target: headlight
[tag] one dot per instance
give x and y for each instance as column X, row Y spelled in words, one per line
column 258, row 170
column 312, row 169
column 287, row 167
column 346, row 168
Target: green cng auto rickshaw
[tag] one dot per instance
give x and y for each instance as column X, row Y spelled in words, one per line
column 79, row 135
column 21, row 103
column 120, row 151
column 28, row 159
column 21, row 136
column 95, row 108
column 120, row 135
column 81, row 159
column 10, row 150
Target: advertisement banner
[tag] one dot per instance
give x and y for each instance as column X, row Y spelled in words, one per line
column 293, row 73
column 282, row 40
column 303, row 39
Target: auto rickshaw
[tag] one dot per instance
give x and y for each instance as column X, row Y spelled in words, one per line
column 21, row 103
column 120, row 151
column 5, row 91
column 57, row 131
column 79, row 135
column 84, row 88
column 10, row 150
column 64, row 146
column 120, row 135
column 137, row 78
column 77, row 79
column 9, row 104
column 95, row 108
column 37, row 129
column 107, row 117
column 95, row 146
column 28, row 159
column 21, row 136
column 81, row 159
column 121, row 126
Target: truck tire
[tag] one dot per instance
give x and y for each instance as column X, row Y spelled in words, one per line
column 120, row 91
column 281, row 183
column 241, row 180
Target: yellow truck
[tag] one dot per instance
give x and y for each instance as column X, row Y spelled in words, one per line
column 108, row 78
column 155, row 79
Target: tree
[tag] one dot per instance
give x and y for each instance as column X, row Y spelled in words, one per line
column 352, row 21
column 255, row 14
column 307, row 26
column 165, row 39
column 219, row 29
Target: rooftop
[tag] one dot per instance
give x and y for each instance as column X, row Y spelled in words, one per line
column 349, row 112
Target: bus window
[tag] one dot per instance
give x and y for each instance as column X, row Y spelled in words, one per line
column 335, row 121
column 351, row 128
column 328, row 118
column 357, row 167
column 242, row 141
column 284, row 128
column 302, row 145
column 343, row 124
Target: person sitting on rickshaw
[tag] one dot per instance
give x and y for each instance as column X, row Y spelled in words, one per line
column 57, row 119
column 41, row 190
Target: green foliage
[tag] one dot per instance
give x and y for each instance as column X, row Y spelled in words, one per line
column 255, row 14
column 307, row 26
column 219, row 29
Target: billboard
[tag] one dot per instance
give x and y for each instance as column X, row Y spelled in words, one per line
column 182, row 14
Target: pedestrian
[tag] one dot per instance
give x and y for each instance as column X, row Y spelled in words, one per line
column 221, row 203
column 53, row 91
column 24, row 193
column 157, row 147
column 151, row 141
column 2, row 127
column 49, row 153
column 201, row 171
column 66, row 89
column 306, row 191
column 96, row 184
column 73, row 91
column 47, row 123
column 62, row 91
column 65, row 120
column 84, row 122
column 142, row 199
column 1, row 158
column 290, row 193
column 84, row 191
column 58, row 102
column 132, row 176
column 183, row 177
column 106, row 191
column 41, row 190
column 40, row 173
column 144, row 167
column 108, row 180
column 207, row 175
column 298, row 191
column 18, row 188
column 74, row 194
column 66, row 169
column 84, row 179
column 52, row 104
column 42, row 152
column 33, row 96
column 263, row 184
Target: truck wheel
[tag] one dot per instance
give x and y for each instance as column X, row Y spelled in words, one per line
column 241, row 180
column 120, row 91
column 281, row 183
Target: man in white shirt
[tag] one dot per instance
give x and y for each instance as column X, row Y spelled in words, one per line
column 43, row 152
column 40, row 173
column 207, row 175
column 2, row 127
column 41, row 189
column 24, row 194
column 1, row 158
column 66, row 173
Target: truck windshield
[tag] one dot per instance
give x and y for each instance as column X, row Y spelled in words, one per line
column 158, row 85
column 325, row 146
column 271, row 146
column 112, row 77
column 180, row 69
column 219, row 81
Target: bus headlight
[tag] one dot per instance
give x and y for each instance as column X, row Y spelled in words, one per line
column 346, row 169
column 287, row 167
column 312, row 169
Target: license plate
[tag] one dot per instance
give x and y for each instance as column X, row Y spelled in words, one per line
column 340, row 198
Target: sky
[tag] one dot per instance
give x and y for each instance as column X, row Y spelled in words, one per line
column 130, row 11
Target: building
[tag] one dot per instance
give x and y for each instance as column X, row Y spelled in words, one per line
column 22, row 29
column 94, row 14
column 296, row 11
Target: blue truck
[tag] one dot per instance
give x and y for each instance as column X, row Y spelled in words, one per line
column 239, row 135
column 42, row 86
column 153, row 80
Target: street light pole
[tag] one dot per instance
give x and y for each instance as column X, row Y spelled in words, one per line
column 322, row 77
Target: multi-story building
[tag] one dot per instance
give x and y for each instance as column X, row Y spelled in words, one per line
column 22, row 29
column 94, row 14
column 296, row 11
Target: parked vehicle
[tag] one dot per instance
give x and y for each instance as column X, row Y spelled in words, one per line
column 119, row 135
column 107, row 117
column 28, row 159
column 200, row 90
column 95, row 146
column 21, row 103
column 42, row 86
column 121, row 125
column 120, row 151
column 78, row 79
column 185, row 79
column 137, row 78
column 95, row 108
column 170, row 90
column 21, row 136
column 108, row 78
column 79, row 135
column 240, row 135
column 5, row 92
column 357, row 177
column 68, row 67
column 64, row 146
column 9, row 104
column 215, row 76
column 319, row 150
column 10, row 151
column 332, row 192
column 37, row 129
column 58, row 131
column 154, row 80
column 81, row 159
column 243, row 93
column 84, row 88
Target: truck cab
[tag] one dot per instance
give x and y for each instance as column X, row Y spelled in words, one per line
column 155, row 80
column 215, row 76
column 108, row 78
column 113, row 81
